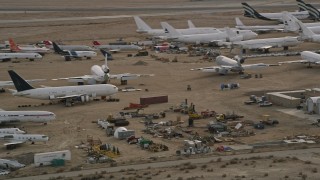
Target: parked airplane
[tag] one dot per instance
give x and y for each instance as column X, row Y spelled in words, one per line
column 68, row 94
column 308, row 57
column 207, row 38
column 11, row 131
column 15, row 139
column 73, row 54
column 259, row 29
column 8, row 56
column 292, row 25
column 313, row 12
column 100, row 74
column 28, row 48
column 306, row 33
column 262, row 44
column 145, row 28
column 252, row 13
column 26, row 116
column 10, row 83
column 49, row 44
column 226, row 65
column 116, row 48
column 10, row 164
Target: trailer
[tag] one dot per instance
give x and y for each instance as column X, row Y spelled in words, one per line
column 50, row 158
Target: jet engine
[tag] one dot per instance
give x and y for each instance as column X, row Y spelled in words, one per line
column 85, row 98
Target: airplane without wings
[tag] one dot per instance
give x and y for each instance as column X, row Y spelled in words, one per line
column 145, row 28
column 252, row 13
column 308, row 57
column 26, row 116
column 8, row 56
column 73, row 54
column 49, row 44
column 11, row 131
column 27, row 49
column 313, row 12
column 259, row 29
column 10, row 164
column 15, row 139
column 100, row 74
column 207, row 38
column 68, row 94
column 116, row 48
column 226, row 65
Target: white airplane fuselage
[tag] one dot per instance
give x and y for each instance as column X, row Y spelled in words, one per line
column 25, row 137
column 26, row 116
column 162, row 32
column 225, row 61
column 278, row 16
column 11, row 131
column 80, row 54
column 274, row 42
column 52, row 93
column 310, row 56
column 130, row 47
column 20, row 56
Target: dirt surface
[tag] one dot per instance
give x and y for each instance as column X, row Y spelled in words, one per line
column 74, row 124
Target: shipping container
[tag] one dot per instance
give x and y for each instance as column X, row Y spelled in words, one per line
column 44, row 159
column 153, row 100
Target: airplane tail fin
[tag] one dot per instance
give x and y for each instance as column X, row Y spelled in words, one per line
column 250, row 12
column 106, row 54
column 313, row 12
column 239, row 22
column 13, row 46
column 19, row 82
column 170, row 30
column 302, row 5
column 289, row 23
column 141, row 25
column 56, row 48
column 96, row 43
column 305, row 32
column 190, row 24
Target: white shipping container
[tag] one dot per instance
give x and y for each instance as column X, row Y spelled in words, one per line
column 44, row 159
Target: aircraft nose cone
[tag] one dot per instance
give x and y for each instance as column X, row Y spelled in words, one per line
column 114, row 89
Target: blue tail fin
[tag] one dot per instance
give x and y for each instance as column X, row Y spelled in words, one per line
column 56, row 48
column 106, row 54
column 19, row 82
column 250, row 12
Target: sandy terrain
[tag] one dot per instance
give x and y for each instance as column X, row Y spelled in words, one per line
column 74, row 124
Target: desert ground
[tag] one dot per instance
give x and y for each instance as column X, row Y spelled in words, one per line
column 74, row 124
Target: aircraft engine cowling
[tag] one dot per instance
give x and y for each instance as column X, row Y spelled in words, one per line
column 51, row 97
column 222, row 71
column 105, row 69
column 85, row 98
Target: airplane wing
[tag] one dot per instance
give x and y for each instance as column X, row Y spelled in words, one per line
column 264, row 47
column 213, row 69
column 77, row 78
column 70, row 96
column 13, row 143
column 114, row 50
column 257, row 66
column 128, row 76
column 296, row 61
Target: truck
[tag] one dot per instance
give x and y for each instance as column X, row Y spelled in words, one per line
column 48, row 158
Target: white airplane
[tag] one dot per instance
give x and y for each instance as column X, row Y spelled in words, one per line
column 145, row 28
column 261, row 44
column 26, row 116
column 207, row 38
column 313, row 12
column 291, row 24
column 49, row 44
column 116, row 48
column 308, row 57
column 10, row 164
column 73, row 54
column 27, row 48
column 8, row 56
column 68, row 94
column 10, row 83
column 226, row 65
column 259, row 29
column 305, row 32
column 15, row 139
column 11, row 131
column 252, row 13
column 100, row 74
